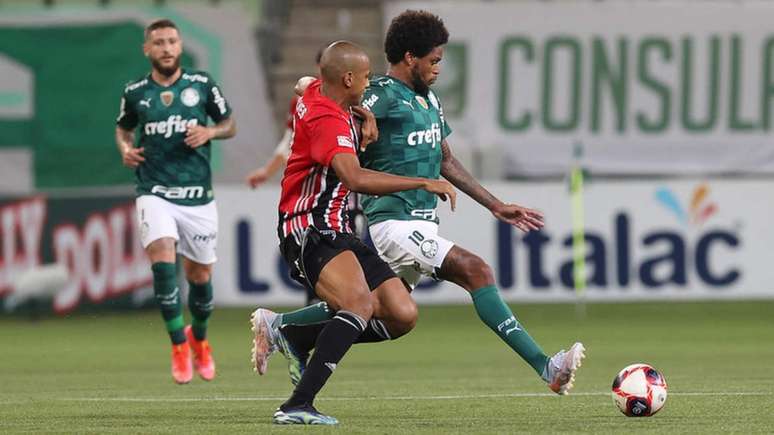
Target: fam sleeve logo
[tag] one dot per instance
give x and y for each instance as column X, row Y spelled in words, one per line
column 345, row 141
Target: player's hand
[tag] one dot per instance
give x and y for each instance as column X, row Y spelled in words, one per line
column 523, row 218
column 132, row 157
column 302, row 84
column 198, row 135
column 444, row 190
column 257, row 177
column 368, row 131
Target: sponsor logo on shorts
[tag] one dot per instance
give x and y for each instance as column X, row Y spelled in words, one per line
column 179, row 192
column 205, row 238
column 429, row 248
column 144, row 229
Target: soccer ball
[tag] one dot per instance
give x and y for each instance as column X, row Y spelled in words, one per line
column 639, row 390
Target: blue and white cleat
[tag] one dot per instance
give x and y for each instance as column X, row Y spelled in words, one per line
column 305, row 414
column 264, row 342
column 296, row 360
column 561, row 368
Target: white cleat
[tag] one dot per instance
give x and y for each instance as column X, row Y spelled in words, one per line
column 264, row 343
column 562, row 368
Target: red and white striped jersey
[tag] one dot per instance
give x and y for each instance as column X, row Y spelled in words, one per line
column 312, row 194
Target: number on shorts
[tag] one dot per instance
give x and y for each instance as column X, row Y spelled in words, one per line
column 416, row 237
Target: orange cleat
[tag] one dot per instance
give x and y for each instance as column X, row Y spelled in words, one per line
column 182, row 371
column 202, row 360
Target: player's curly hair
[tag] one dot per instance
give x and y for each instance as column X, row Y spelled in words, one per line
column 417, row 32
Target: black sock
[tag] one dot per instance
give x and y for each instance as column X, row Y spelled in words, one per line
column 375, row 332
column 304, row 337
column 333, row 342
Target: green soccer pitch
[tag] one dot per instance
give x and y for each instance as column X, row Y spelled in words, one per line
column 109, row 373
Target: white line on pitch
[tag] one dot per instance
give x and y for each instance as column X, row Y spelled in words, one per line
column 447, row 397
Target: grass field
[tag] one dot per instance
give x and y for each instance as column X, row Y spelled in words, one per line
column 109, row 374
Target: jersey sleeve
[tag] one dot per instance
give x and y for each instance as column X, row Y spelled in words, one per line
column 330, row 136
column 216, row 107
column 375, row 99
column 445, row 129
column 127, row 115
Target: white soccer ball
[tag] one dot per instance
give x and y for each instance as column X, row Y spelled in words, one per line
column 639, row 390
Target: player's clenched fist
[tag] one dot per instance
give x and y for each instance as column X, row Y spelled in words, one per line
column 132, row 157
column 198, row 135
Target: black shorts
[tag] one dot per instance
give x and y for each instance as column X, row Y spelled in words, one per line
column 320, row 246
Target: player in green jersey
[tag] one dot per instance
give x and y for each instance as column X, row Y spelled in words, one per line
column 412, row 141
column 175, row 205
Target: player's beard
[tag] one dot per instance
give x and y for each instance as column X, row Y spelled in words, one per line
column 420, row 87
column 166, row 71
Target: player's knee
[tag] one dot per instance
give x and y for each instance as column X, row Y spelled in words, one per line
column 198, row 275
column 405, row 318
column 478, row 273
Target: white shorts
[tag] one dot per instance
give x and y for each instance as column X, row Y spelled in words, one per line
column 411, row 248
column 195, row 228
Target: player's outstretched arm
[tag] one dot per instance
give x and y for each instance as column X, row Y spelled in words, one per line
column 358, row 179
column 277, row 161
column 130, row 156
column 526, row 219
column 198, row 135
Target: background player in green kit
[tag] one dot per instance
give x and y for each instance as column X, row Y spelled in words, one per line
column 175, row 205
column 412, row 142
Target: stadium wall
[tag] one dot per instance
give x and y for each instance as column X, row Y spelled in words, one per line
column 646, row 240
column 62, row 72
column 647, row 87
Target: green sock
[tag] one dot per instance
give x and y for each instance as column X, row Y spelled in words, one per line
column 496, row 314
column 168, row 296
column 200, row 304
column 318, row 312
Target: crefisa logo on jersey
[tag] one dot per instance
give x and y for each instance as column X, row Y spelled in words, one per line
column 189, row 97
column 430, row 136
column 635, row 253
column 173, row 124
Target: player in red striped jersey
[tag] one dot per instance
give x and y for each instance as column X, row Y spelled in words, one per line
column 315, row 237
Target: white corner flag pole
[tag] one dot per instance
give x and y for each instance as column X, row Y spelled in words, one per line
column 578, row 231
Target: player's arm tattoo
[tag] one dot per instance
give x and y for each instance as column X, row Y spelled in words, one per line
column 452, row 170
column 224, row 129
column 124, row 140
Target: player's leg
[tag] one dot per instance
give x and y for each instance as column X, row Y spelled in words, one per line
column 342, row 284
column 199, row 277
column 472, row 273
column 294, row 333
column 394, row 315
column 198, row 235
column 158, row 236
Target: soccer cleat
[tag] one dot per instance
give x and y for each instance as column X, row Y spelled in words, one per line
column 305, row 414
column 182, row 369
column 203, row 362
column 562, row 367
column 264, row 341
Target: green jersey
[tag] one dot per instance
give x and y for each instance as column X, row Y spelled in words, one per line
column 411, row 129
column 172, row 169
